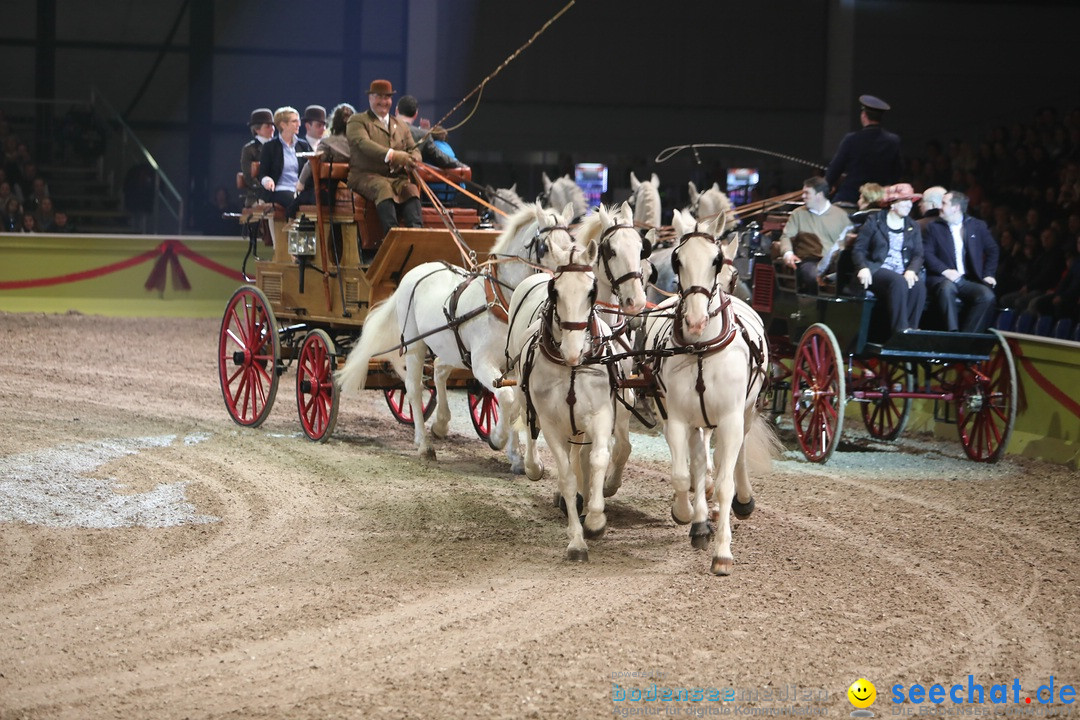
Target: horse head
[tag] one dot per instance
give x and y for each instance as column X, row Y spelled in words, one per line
column 622, row 250
column 572, row 291
column 506, row 200
column 711, row 203
column 645, row 199
column 705, row 269
column 564, row 190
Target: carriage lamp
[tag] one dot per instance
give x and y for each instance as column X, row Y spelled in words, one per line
column 302, row 244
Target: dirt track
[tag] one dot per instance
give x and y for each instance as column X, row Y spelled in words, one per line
column 158, row 561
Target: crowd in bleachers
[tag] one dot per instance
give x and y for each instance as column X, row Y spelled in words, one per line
column 25, row 202
column 1024, row 181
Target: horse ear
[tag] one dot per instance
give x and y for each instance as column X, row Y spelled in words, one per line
column 591, row 251
column 626, row 213
column 693, row 192
column 717, row 187
column 605, row 218
column 546, row 180
column 731, row 247
column 568, row 213
column 513, row 188
column 655, row 180
column 677, row 222
column 634, row 182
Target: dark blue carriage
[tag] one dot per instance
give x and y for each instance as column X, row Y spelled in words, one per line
column 829, row 340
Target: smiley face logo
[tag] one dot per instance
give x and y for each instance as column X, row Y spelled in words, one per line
column 862, row 693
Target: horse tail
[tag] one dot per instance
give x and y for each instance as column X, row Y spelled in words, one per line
column 381, row 332
column 762, row 446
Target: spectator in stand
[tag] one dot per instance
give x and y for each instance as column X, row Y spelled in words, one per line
column 1062, row 300
column 11, row 216
column 5, row 192
column 871, row 154
column 29, row 223
column 888, row 259
column 38, row 192
column 1044, row 273
column 262, row 130
column 314, row 125
column 961, row 263
column 45, row 215
column 333, row 147
column 62, row 224
column 281, row 162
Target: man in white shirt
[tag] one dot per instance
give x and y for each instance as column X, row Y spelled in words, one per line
column 813, row 235
column 961, row 261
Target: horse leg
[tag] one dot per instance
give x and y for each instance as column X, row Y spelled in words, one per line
column 743, row 503
column 577, row 550
column 440, row 427
column 504, row 435
column 729, row 437
column 701, row 531
column 620, row 451
column 677, row 434
column 414, row 389
column 514, row 416
column 599, row 456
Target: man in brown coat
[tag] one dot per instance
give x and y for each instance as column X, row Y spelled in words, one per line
column 381, row 154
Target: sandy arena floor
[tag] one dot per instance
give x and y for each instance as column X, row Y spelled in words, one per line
column 158, row 561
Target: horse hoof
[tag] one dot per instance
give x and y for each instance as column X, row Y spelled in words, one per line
column 593, row 534
column 576, row 555
column 677, row 520
column 721, row 566
column 535, row 473
column 700, row 535
column 610, row 490
column 742, row 510
column 428, row 454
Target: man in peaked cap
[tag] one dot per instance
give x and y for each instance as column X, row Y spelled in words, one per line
column 262, row 129
column 314, row 125
column 870, row 154
column 381, row 154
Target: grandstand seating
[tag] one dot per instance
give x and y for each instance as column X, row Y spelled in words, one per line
column 1044, row 325
column 1005, row 319
column 1026, row 322
column 1063, row 328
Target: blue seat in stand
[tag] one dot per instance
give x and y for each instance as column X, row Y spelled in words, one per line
column 1005, row 319
column 1044, row 325
column 1026, row 322
column 1063, row 328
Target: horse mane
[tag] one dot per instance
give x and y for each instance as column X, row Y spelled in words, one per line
column 512, row 225
column 591, row 227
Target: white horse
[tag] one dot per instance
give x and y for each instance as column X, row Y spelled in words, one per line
column 450, row 312
column 620, row 292
column 709, row 204
column 645, row 199
column 564, row 190
column 507, row 201
column 569, row 393
column 711, row 357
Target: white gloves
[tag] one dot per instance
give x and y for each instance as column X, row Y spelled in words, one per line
column 865, row 277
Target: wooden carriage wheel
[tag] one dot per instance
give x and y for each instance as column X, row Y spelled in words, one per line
column 885, row 417
column 483, row 411
column 986, row 403
column 316, row 391
column 400, row 407
column 817, row 393
column 249, row 352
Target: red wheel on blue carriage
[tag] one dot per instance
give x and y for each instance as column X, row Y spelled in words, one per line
column 402, row 410
column 986, row 403
column 483, row 411
column 249, row 352
column 817, row 393
column 316, row 392
column 884, row 417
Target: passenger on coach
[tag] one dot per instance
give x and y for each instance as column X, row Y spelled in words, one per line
column 262, row 130
column 888, row 259
column 314, row 125
column 381, row 156
column 930, row 206
column 812, row 234
column 333, row 147
column 961, row 263
column 280, row 164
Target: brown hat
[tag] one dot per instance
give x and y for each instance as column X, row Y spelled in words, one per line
column 313, row 113
column 898, row 192
column 381, row 87
column 260, row 116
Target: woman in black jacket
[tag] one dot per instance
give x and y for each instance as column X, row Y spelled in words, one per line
column 888, row 259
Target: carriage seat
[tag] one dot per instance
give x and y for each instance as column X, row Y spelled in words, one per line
column 457, row 175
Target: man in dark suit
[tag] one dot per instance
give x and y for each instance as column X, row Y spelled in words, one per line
column 262, row 130
column 870, row 154
column 961, row 261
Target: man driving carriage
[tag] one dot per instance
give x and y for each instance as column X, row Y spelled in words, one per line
column 381, row 154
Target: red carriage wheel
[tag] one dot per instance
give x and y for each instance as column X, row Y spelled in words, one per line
column 986, row 403
column 316, row 392
column 817, row 393
column 885, row 417
column 402, row 410
column 484, row 411
column 248, row 356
